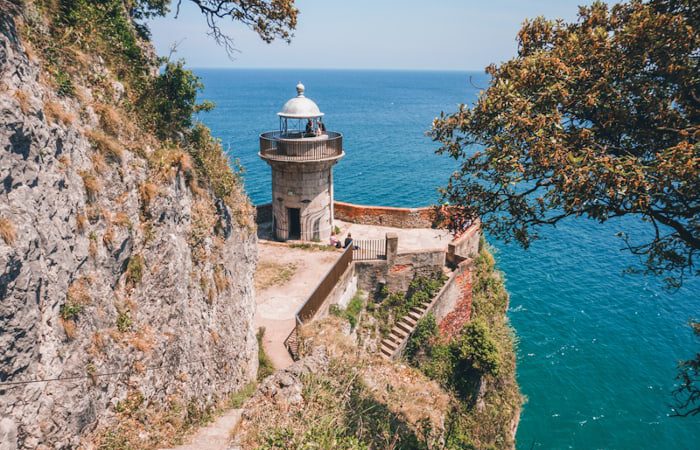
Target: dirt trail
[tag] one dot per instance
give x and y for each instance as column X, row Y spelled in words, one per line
column 278, row 302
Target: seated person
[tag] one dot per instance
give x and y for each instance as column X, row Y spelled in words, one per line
column 335, row 242
column 309, row 127
column 348, row 241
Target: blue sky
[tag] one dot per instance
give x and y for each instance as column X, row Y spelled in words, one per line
column 364, row 34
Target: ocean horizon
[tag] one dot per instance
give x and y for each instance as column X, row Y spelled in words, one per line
column 597, row 348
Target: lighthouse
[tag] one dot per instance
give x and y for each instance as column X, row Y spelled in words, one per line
column 302, row 154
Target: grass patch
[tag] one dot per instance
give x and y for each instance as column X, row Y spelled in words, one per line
column 265, row 366
column 23, row 101
column 270, row 274
column 55, row 113
column 238, row 398
column 124, row 321
column 312, row 247
column 135, row 269
column 352, row 312
column 106, row 145
column 91, row 184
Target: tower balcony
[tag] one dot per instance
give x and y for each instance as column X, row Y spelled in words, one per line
column 300, row 147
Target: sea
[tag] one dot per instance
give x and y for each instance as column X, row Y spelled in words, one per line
column 597, row 347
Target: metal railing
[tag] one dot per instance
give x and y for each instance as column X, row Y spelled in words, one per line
column 313, row 304
column 297, row 146
column 369, row 249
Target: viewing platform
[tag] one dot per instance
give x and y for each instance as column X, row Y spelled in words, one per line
column 297, row 146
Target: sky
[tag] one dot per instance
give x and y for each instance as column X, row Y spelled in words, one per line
column 368, row 34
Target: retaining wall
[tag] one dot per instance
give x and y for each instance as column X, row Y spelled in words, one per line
column 453, row 303
column 386, row 216
column 466, row 246
column 344, row 290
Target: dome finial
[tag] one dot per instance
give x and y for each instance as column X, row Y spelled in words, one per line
column 300, row 89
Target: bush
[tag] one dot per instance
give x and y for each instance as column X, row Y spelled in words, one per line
column 476, row 346
column 352, row 311
column 421, row 339
column 170, row 100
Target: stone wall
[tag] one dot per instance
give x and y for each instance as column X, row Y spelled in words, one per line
column 466, row 246
column 344, row 290
column 263, row 213
column 384, row 215
column 398, row 276
column 453, row 303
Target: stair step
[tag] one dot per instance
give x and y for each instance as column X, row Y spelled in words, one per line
column 409, row 320
column 418, row 310
column 405, row 326
column 399, row 334
column 414, row 315
column 390, row 344
column 387, row 350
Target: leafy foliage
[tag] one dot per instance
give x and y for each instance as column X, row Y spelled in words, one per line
column 393, row 306
column 270, row 19
column 170, row 100
column 597, row 118
column 352, row 311
column 482, row 354
column 687, row 394
column 426, row 330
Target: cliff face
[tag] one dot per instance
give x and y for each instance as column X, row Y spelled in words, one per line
column 129, row 285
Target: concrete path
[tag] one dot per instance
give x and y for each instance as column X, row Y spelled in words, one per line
column 277, row 303
column 216, row 436
column 410, row 239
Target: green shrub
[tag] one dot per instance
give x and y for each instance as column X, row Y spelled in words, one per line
column 352, row 311
column 476, row 346
column 124, row 321
column 396, row 305
column 70, row 310
column 421, row 339
column 170, row 100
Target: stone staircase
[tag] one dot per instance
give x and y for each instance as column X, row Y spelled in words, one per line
column 391, row 344
column 402, row 330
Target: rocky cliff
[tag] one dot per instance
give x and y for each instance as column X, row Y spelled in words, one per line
column 126, row 299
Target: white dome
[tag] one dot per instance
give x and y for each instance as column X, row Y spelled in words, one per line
column 300, row 107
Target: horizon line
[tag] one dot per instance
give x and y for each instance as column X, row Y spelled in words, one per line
column 361, row 69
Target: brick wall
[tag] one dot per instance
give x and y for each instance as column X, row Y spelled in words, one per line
column 384, row 215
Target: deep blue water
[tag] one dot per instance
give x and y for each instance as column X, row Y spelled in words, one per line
column 597, row 349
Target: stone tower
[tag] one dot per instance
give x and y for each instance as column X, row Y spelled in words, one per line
column 301, row 154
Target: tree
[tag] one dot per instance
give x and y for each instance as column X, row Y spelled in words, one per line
column 271, row 19
column 598, row 118
column 687, row 394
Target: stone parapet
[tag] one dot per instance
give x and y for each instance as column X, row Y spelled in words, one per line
column 386, row 216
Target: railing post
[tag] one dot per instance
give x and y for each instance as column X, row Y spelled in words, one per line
column 392, row 248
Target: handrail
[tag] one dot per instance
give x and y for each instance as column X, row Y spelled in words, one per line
column 297, row 146
column 309, row 309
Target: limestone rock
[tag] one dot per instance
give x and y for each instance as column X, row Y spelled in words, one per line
column 165, row 333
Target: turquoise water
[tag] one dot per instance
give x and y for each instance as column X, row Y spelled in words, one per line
column 597, row 349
